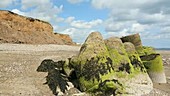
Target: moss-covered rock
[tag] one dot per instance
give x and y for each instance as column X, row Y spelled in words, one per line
column 92, row 63
column 154, row 65
column 105, row 67
column 118, row 54
column 134, row 57
column 152, row 62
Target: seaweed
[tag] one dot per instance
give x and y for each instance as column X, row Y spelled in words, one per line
column 125, row 67
column 56, row 76
column 93, row 69
column 109, row 87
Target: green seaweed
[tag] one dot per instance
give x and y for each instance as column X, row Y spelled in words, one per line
column 145, row 50
column 155, row 63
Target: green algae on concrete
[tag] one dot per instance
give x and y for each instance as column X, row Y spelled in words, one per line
column 153, row 62
column 154, row 66
column 145, row 50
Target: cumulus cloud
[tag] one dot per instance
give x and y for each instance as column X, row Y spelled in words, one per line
column 69, row 19
column 136, row 28
column 83, row 24
column 166, row 30
column 18, row 12
column 41, row 9
column 78, row 35
column 149, row 17
column 79, row 29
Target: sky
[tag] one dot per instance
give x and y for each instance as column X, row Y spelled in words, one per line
column 78, row 18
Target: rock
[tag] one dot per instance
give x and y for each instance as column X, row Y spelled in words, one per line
column 93, row 67
column 20, row 29
column 152, row 61
column 134, row 57
column 107, row 67
column 134, row 39
column 130, row 48
column 103, row 67
column 154, row 65
column 118, row 54
column 115, row 43
column 140, row 83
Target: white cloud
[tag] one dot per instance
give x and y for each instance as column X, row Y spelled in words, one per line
column 41, row 9
column 69, row 19
column 121, row 33
column 76, row 1
column 166, row 30
column 78, row 35
column 121, row 4
column 137, row 28
column 6, row 3
column 149, row 17
column 19, row 12
column 83, row 24
column 34, row 3
column 152, row 18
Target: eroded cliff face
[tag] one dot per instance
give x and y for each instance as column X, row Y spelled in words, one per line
column 65, row 38
column 15, row 28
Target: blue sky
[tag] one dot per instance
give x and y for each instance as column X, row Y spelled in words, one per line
column 78, row 18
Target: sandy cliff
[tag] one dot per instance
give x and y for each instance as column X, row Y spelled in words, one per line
column 15, row 28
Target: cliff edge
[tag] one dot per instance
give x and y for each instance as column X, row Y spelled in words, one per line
column 15, row 28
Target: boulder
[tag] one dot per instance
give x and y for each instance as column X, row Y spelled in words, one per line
column 103, row 67
column 94, row 68
column 134, row 39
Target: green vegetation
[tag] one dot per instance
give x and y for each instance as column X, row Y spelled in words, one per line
column 145, row 50
column 154, row 64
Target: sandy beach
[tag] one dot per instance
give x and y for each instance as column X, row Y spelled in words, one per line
column 18, row 64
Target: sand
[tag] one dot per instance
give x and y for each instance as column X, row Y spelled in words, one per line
column 18, row 64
